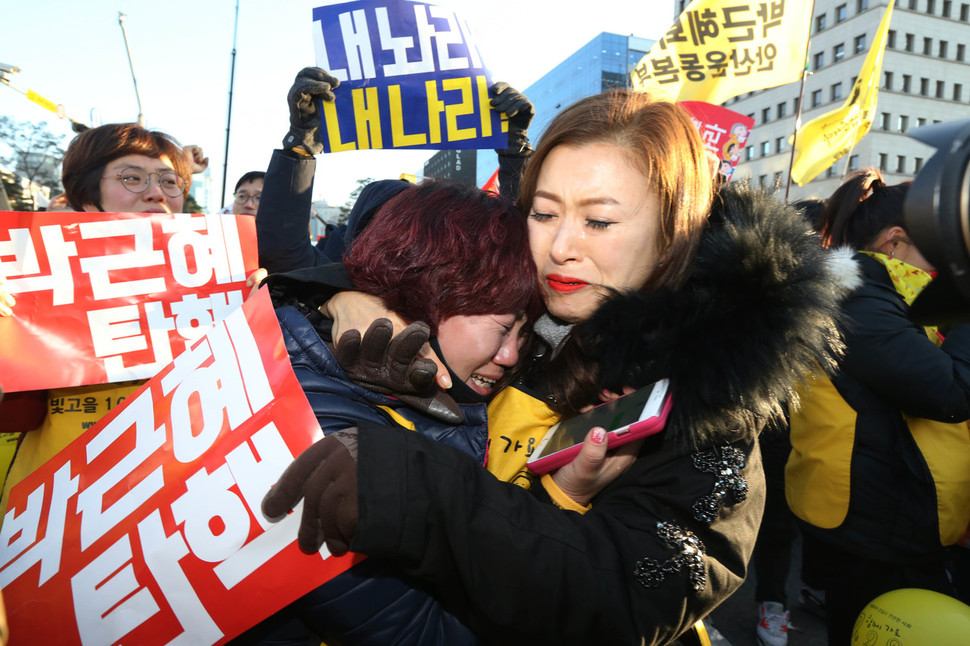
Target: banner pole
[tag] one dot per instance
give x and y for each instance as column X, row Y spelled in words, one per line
column 131, row 66
column 232, row 77
column 801, row 100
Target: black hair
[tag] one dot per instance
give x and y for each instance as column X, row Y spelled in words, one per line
column 249, row 177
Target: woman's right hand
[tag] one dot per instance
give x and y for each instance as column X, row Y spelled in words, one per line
column 7, row 301
column 594, row 468
column 356, row 311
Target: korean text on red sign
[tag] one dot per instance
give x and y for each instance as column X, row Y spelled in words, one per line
column 108, row 297
column 147, row 529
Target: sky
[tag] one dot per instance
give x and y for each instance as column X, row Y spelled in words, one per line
column 73, row 53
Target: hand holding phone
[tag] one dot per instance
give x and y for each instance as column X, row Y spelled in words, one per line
column 640, row 414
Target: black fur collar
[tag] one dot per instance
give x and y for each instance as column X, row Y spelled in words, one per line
column 758, row 311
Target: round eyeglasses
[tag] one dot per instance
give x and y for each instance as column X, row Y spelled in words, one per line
column 137, row 180
column 242, row 198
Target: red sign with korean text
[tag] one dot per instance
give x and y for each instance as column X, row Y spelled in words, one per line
column 147, row 528
column 725, row 132
column 109, row 297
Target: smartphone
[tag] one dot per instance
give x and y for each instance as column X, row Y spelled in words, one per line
column 640, row 414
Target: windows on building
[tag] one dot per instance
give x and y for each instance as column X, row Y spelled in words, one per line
column 964, row 12
column 947, row 8
column 749, row 153
column 853, row 162
column 920, row 121
column 891, row 39
column 765, row 115
column 907, row 83
column 940, row 89
column 780, row 145
column 836, row 91
column 924, row 86
column 859, row 45
column 861, row 5
column 888, row 76
column 840, row 13
column 900, row 163
column 917, row 164
column 957, row 91
column 816, row 98
column 883, row 161
column 944, row 46
column 765, row 148
column 820, row 22
column 928, row 46
column 886, row 120
column 910, row 42
column 961, row 52
column 931, row 6
column 903, row 123
column 819, row 60
column 782, row 110
column 838, row 52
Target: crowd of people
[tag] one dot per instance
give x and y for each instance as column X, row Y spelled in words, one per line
column 442, row 331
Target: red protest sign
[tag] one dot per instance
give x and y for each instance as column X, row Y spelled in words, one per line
column 109, row 297
column 147, row 529
column 725, row 132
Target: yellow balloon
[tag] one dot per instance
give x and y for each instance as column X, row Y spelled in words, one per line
column 913, row 617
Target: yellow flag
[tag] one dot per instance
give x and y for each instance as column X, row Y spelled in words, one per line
column 717, row 50
column 825, row 139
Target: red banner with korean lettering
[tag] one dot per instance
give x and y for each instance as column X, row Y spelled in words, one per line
column 109, row 297
column 725, row 133
column 147, row 529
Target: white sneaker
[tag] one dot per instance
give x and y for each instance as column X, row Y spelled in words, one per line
column 772, row 624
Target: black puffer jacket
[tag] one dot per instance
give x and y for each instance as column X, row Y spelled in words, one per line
column 671, row 537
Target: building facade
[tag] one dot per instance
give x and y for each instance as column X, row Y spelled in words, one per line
column 603, row 63
column 925, row 79
column 459, row 165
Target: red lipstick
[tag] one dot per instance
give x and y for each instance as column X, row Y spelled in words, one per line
column 565, row 283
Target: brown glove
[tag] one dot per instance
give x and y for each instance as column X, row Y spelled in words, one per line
column 390, row 364
column 325, row 477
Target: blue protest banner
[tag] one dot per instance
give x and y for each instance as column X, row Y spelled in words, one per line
column 410, row 77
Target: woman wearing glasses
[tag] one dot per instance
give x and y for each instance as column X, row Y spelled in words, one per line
column 124, row 168
column 115, row 168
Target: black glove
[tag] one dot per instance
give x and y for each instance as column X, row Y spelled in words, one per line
column 520, row 111
column 325, row 476
column 311, row 83
column 390, row 364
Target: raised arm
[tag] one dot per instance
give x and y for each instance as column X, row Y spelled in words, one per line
column 283, row 217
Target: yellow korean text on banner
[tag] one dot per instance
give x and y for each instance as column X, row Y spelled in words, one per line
column 718, row 50
column 827, row 138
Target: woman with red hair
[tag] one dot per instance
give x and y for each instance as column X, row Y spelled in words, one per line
column 455, row 263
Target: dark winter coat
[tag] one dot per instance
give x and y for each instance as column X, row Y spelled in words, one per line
column 671, row 537
column 372, row 603
column 880, row 466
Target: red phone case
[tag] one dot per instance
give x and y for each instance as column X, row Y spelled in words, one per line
column 615, row 438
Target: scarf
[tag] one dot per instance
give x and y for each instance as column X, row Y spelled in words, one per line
column 908, row 282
